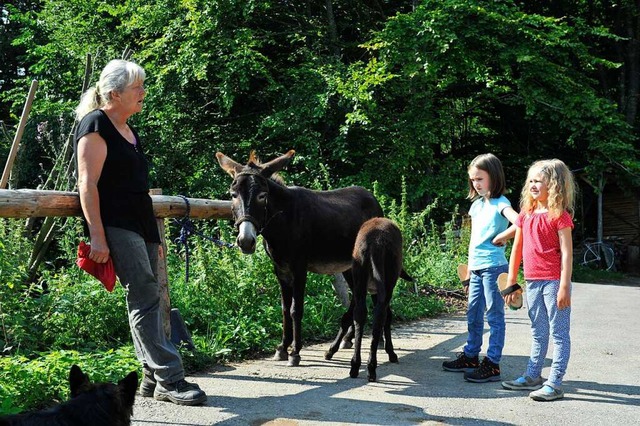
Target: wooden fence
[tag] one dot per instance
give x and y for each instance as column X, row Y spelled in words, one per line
column 24, row 203
column 28, row 203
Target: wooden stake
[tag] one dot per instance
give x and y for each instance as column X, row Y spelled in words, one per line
column 163, row 277
column 18, row 136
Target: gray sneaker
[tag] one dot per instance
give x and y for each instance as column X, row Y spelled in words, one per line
column 524, row 383
column 180, row 392
column 547, row 393
column 148, row 384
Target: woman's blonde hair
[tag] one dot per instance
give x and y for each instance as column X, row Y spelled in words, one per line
column 492, row 165
column 115, row 77
column 560, row 184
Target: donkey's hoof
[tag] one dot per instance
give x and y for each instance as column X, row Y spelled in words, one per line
column 353, row 373
column 328, row 355
column 281, row 355
column 294, row 361
column 346, row 344
column 371, row 373
column 393, row 357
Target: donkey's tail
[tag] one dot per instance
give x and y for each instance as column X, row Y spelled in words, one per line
column 405, row 276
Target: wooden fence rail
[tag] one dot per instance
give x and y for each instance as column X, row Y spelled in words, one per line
column 26, row 203
column 23, row 203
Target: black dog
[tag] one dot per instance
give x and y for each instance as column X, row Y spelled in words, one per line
column 95, row 404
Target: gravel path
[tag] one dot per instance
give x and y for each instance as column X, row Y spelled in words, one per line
column 601, row 385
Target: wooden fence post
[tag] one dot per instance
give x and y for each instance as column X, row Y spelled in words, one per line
column 163, row 278
column 16, row 140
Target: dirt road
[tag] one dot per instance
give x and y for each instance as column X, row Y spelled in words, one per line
column 601, row 384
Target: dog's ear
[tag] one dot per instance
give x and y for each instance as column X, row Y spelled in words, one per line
column 77, row 380
column 128, row 387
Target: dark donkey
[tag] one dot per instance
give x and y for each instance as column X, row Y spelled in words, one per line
column 377, row 265
column 302, row 230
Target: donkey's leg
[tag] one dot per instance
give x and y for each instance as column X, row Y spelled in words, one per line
column 347, row 340
column 374, row 302
column 346, row 324
column 286, row 299
column 388, row 344
column 379, row 314
column 359, row 316
column 297, row 312
column 377, row 260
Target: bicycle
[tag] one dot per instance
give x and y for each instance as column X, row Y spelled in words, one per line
column 598, row 255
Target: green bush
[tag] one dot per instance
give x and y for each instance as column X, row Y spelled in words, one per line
column 231, row 304
column 27, row 383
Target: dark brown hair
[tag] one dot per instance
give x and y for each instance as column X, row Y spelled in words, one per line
column 492, row 165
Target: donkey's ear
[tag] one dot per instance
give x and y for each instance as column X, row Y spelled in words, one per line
column 277, row 164
column 77, row 380
column 228, row 165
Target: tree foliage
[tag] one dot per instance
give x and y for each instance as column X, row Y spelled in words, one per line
column 364, row 91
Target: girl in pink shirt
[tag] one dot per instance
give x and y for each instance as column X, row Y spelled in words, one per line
column 543, row 241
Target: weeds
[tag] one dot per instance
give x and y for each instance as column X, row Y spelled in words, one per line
column 231, row 304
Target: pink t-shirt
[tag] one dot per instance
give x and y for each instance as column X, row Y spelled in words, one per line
column 541, row 244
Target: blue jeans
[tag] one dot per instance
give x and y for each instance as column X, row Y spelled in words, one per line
column 485, row 295
column 136, row 264
column 546, row 320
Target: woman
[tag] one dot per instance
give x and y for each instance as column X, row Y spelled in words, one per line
column 118, row 212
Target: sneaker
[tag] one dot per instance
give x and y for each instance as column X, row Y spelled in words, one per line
column 461, row 363
column 148, row 384
column 524, row 383
column 487, row 372
column 180, row 392
column 547, row 393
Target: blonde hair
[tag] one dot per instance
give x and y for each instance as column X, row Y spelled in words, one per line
column 116, row 76
column 560, row 184
column 492, row 165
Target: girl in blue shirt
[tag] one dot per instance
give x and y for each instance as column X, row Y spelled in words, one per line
column 490, row 214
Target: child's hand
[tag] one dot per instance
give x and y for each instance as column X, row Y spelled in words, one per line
column 564, row 298
column 465, row 285
column 510, row 299
column 499, row 241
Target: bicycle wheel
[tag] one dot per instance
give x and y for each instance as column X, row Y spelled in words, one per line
column 598, row 256
column 607, row 255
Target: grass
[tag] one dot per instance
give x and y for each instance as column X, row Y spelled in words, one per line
column 230, row 304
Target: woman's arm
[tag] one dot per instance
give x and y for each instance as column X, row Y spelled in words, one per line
column 92, row 153
column 566, row 253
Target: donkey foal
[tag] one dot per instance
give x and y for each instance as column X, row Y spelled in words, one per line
column 376, row 267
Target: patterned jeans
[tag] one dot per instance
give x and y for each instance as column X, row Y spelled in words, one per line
column 547, row 319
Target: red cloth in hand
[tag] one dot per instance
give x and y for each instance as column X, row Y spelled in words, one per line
column 102, row 271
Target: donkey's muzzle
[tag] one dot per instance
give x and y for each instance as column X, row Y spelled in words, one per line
column 247, row 237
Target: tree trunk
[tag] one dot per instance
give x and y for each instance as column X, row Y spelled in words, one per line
column 633, row 65
column 333, row 29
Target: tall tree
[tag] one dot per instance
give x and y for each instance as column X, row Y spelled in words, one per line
column 456, row 78
column 364, row 90
column 12, row 58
